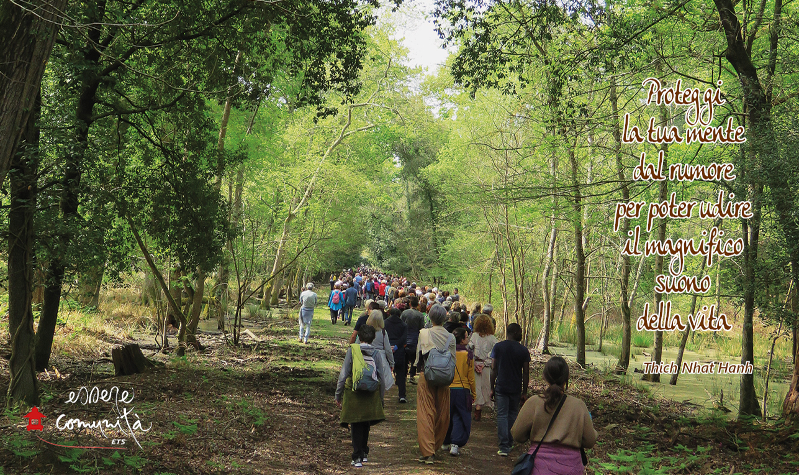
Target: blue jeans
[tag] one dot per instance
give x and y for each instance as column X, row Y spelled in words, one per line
column 347, row 316
column 306, row 317
column 507, row 407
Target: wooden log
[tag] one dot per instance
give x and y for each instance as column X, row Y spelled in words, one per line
column 128, row 359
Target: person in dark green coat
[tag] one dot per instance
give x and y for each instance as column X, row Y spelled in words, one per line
column 362, row 409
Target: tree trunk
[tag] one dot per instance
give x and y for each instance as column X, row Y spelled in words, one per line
column 176, row 291
column 128, row 359
column 657, row 353
column 223, row 276
column 687, row 332
column 196, row 310
column 23, row 386
column 626, row 314
column 160, row 278
column 70, row 194
column 790, row 406
column 765, row 167
column 28, row 36
column 579, row 251
column 543, row 344
column 89, row 285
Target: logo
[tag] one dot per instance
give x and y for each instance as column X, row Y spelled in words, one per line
column 34, row 419
column 123, row 426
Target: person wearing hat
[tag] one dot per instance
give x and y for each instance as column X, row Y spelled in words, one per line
column 307, row 304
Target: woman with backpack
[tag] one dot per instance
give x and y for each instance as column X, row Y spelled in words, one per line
column 432, row 400
column 335, row 302
column 364, row 379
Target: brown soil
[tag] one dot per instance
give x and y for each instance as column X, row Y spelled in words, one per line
column 268, row 408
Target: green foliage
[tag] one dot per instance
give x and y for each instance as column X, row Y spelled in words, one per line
column 20, row 445
column 645, row 460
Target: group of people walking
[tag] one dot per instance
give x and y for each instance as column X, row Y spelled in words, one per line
column 421, row 331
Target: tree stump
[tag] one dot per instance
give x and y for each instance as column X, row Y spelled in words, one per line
column 128, row 359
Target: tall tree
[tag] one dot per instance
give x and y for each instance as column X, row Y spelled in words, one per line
column 28, row 30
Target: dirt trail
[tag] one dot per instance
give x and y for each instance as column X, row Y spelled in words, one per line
column 394, row 450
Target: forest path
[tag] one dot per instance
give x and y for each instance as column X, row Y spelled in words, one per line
column 394, row 449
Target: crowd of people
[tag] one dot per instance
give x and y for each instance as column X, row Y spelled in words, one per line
column 402, row 337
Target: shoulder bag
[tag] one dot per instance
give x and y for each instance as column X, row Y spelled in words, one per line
column 524, row 464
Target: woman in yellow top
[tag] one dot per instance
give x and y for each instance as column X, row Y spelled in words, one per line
column 461, row 394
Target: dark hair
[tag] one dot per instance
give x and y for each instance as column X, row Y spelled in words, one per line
column 394, row 312
column 366, row 333
column 374, row 305
column 414, row 300
column 556, row 373
column 460, row 333
column 514, row 331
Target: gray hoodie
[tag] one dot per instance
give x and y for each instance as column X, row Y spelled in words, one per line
column 383, row 370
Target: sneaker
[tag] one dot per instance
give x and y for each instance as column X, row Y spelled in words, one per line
column 412, row 380
column 423, row 459
column 430, row 460
column 402, row 400
column 357, row 463
column 446, row 447
column 364, row 459
column 453, row 450
column 502, row 453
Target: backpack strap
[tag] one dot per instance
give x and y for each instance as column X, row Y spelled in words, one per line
column 551, row 421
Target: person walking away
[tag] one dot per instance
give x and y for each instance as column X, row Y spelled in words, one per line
column 488, row 309
column 332, row 281
column 370, row 287
column 381, row 289
column 350, row 299
column 391, row 291
column 370, row 305
column 381, row 341
column 397, row 332
column 361, row 408
column 461, row 395
column 307, row 304
column 571, row 431
column 415, row 321
column 510, row 377
column 482, row 342
column 358, row 294
column 432, row 402
column 477, row 310
column 335, row 302
column 453, row 321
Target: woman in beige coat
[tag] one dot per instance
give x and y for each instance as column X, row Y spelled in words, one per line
column 482, row 342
